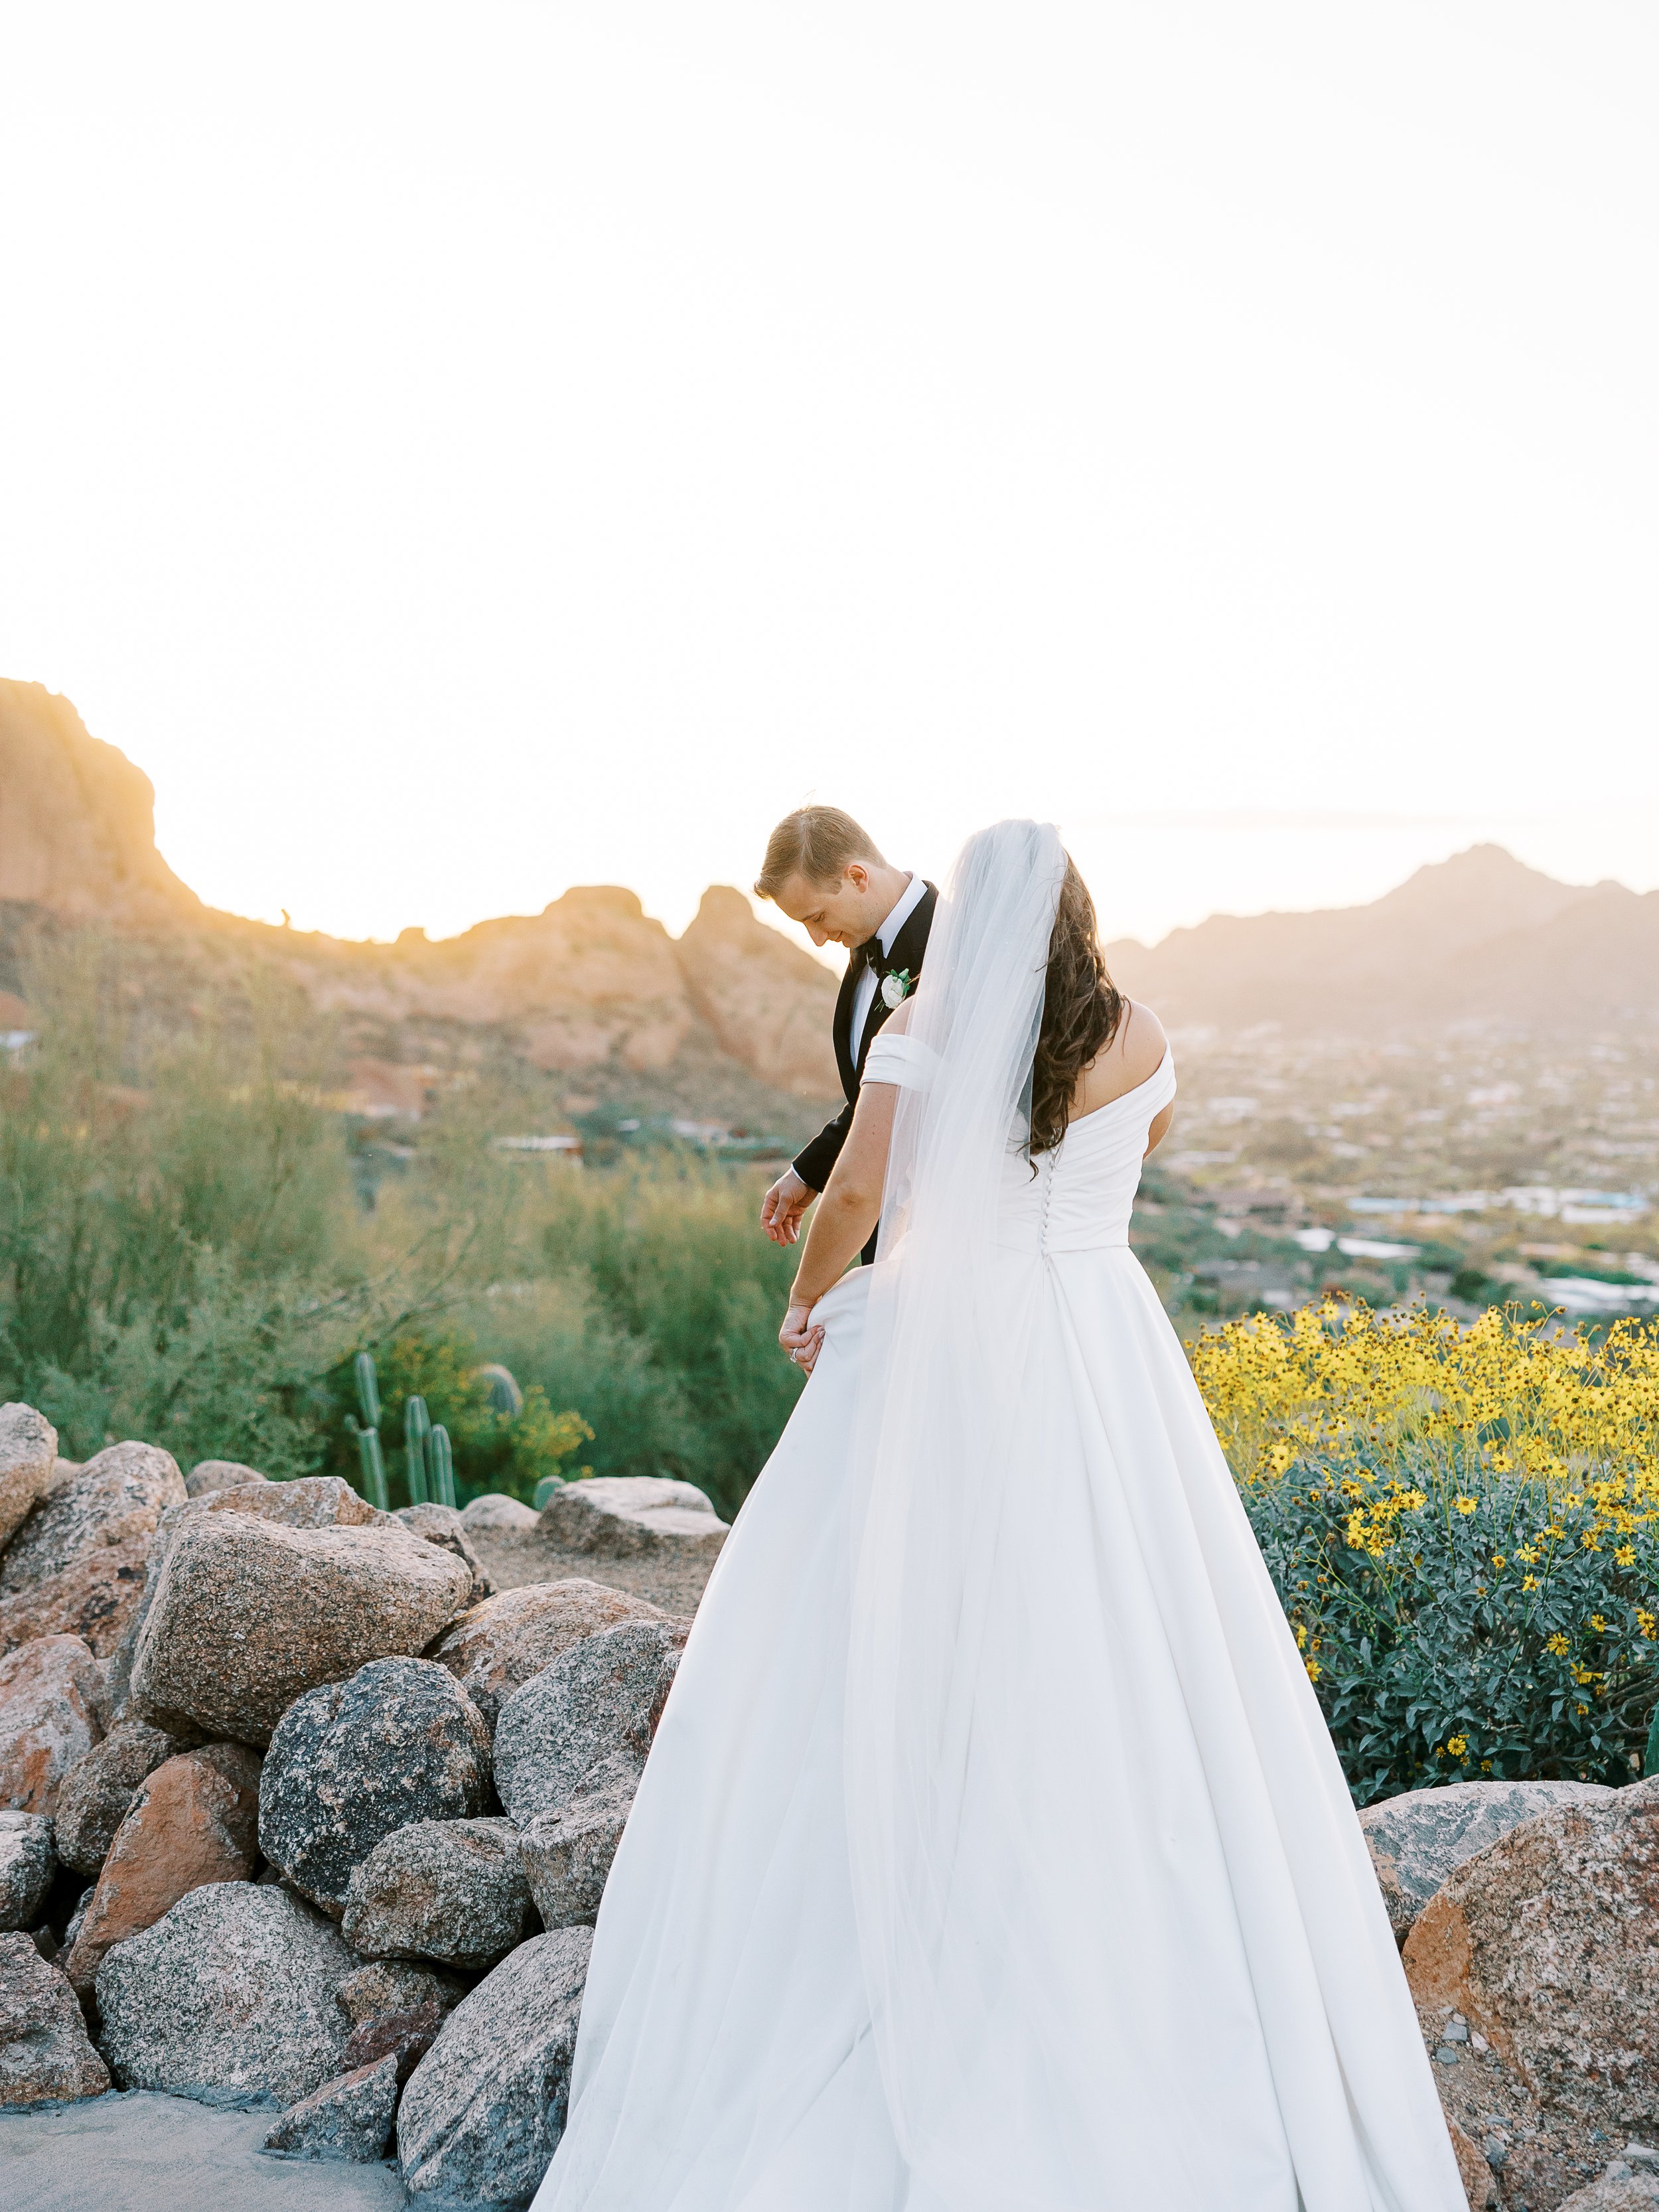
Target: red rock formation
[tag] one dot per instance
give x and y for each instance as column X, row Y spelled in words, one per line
column 78, row 820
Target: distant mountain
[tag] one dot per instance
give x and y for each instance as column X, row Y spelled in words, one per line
column 1476, row 937
column 732, row 1019
column 729, row 1019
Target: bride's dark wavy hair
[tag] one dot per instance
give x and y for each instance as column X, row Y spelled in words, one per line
column 1081, row 1010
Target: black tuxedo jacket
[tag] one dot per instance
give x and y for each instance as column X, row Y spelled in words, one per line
column 815, row 1162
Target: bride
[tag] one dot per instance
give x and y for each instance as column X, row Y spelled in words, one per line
column 993, row 1855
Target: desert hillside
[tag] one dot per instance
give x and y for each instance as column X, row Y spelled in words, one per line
column 729, row 1019
column 1478, row 938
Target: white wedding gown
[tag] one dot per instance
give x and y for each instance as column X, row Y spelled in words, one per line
column 1194, row 2003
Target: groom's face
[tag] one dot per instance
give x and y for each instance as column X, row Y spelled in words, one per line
column 842, row 913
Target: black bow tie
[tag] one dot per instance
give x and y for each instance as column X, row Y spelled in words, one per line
column 872, row 957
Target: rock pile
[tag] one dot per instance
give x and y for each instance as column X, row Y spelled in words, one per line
column 295, row 1810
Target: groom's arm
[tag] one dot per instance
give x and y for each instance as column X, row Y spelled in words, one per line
column 815, row 1162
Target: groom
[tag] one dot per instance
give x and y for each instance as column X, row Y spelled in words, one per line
column 825, row 873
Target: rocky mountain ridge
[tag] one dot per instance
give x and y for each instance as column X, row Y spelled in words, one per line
column 729, row 1017
column 732, row 1018
column 1479, row 937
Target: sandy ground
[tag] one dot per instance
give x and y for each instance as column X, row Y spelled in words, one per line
column 513, row 1557
column 143, row 2153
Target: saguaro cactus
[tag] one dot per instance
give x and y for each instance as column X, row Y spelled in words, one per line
column 370, row 1461
column 418, row 1428
column 440, row 1467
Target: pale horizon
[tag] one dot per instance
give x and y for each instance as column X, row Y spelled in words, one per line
column 461, row 456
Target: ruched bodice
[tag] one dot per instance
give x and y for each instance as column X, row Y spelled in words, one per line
column 1079, row 1197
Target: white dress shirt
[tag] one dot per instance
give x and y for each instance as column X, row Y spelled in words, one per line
column 864, row 991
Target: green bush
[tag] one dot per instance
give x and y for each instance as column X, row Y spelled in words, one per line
column 1458, row 1621
column 186, row 1255
column 494, row 1452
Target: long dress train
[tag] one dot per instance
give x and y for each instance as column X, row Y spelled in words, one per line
column 1189, row 1996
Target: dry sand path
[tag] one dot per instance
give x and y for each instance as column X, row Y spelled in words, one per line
column 143, row 2153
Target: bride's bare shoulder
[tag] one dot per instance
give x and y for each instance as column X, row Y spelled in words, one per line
column 1136, row 1050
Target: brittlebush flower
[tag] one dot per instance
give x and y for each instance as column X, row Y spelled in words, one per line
column 1314, row 1668
column 1457, row 1745
column 1466, row 1505
column 1557, row 1643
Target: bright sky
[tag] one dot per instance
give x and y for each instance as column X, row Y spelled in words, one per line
column 463, row 451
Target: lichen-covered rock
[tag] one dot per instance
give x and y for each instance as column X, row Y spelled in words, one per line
column 631, row 1516
column 567, row 1854
column 95, row 1794
column 28, row 1453
column 350, row 2117
column 496, row 1510
column 46, row 2056
column 443, row 1525
column 194, row 1820
column 454, row 1891
column 1546, row 1943
column 1479, row 2185
column 484, row 2109
column 395, row 2008
column 1418, row 1838
column 312, row 1501
column 52, row 1713
column 211, row 1474
column 598, row 1703
column 351, row 1762
column 231, row 1995
column 1617, row 2191
column 116, row 1498
column 27, row 1864
column 496, row 1647
column 249, row 1615
column 94, row 1598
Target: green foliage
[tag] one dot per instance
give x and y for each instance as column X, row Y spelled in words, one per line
column 677, row 1267
column 185, row 1255
column 1461, row 1622
column 436, row 1372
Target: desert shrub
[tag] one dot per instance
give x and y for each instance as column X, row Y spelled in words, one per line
column 556, row 1336
column 1459, row 1523
column 495, row 1451
column 185, row 1255
column 674, row 1263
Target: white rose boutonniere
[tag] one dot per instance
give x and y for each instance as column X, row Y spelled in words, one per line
column 895, row 988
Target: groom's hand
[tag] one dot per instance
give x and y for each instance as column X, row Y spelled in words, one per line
column 783, row 1205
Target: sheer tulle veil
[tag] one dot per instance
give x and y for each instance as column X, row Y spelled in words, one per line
column 948, row 1324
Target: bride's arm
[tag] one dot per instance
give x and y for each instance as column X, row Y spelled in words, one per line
column 846, row 1214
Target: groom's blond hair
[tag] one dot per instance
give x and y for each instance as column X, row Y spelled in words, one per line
column 816, row 843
